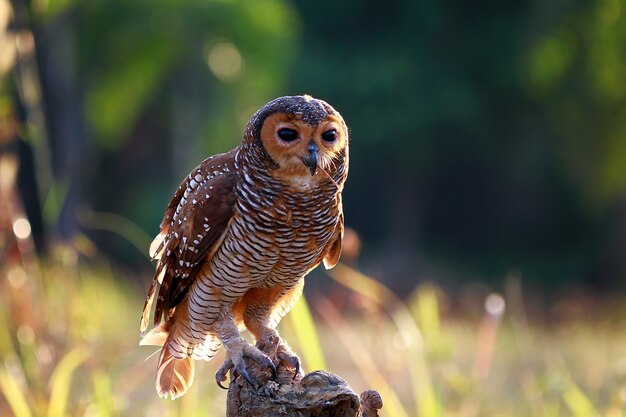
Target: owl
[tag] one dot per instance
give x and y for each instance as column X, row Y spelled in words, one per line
column 240, row 234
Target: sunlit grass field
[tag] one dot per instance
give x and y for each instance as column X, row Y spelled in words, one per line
column 69, row 347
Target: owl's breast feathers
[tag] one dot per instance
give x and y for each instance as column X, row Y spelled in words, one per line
column 303, row 223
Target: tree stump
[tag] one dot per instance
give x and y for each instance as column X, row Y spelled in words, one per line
column 319, row 394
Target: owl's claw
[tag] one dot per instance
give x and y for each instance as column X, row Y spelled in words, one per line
column 236, row 362
column 273, row 369
column 242, row 371
column 262, row 359
column 285, row 355
column 220, row 375
column 239, row 366
column 295, row 374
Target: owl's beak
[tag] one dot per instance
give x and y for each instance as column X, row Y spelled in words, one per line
column 310, row 160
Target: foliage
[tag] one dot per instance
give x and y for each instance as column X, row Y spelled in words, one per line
column 502, row 125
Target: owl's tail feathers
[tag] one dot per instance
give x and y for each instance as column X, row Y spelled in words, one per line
column 156, row 336
column 174, row 375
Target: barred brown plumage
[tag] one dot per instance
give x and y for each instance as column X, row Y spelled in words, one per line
column 239, row 236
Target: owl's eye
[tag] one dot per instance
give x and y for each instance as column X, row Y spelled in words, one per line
column 287, row 135
column 329, row 135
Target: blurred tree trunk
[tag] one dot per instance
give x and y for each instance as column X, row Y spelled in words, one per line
column 29, row 191
column 56, row 54
column 29, row 119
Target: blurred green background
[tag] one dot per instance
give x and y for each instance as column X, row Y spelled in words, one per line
column 488, row 152
column 486, row 136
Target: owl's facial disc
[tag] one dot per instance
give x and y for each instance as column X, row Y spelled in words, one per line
column 301, row 149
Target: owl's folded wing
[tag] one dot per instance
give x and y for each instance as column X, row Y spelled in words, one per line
column 194, row 224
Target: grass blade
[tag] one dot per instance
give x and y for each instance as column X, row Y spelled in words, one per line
column 308, row 339
column 13, row 394
column 427, row 403
column 362, row 359
column 61, row 379
column 579, row 404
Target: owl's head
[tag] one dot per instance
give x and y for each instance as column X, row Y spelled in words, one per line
column 302, row 135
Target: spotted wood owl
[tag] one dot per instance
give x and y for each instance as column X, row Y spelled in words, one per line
column 239, row 236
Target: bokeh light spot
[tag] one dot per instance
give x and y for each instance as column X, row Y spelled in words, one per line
column 16, row 277
column 494, row 304
column 44, row 354
column 609, row 11
column 224, row 61
column 21, row 228
column 25, row 335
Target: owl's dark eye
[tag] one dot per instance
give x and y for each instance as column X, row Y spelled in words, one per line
column 288, row 135
column 329, row 135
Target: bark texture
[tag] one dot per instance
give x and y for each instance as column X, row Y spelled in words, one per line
column 319, row 394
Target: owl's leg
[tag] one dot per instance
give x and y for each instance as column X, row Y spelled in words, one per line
column 236, row 349
column 263, row 310
column 268, row 341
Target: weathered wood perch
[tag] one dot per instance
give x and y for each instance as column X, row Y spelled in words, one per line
column 319, row 394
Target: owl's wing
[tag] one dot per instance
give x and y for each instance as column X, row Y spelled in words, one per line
column 334, row 245
column 193, row 226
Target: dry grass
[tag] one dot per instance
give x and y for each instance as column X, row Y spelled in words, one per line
column 68, row 347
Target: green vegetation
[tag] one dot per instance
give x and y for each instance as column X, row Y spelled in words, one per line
column 486, row 136
column 68, row 347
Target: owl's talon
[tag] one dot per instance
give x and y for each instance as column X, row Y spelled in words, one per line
column 242, row 371
column 219, row 384
column 261, row 358
column 285, row 355
column 220, row 375
column 294, row 362
column 235, row 361
column 268, row 362
column 273, row 369
column 295, row 374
